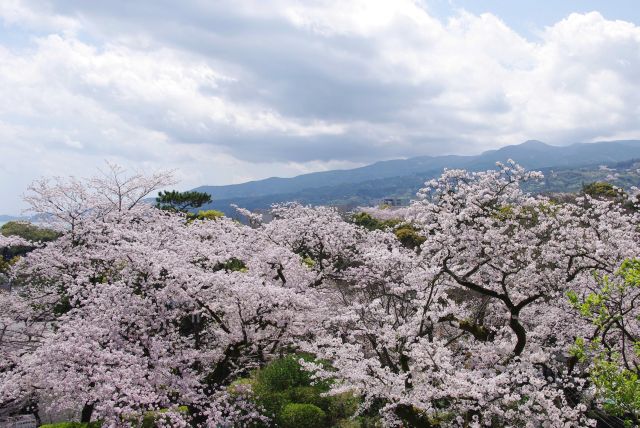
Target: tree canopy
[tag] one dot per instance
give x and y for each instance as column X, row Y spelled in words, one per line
column 28, row 231
column 182, row 201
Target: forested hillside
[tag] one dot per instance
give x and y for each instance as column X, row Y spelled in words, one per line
column 566, row 168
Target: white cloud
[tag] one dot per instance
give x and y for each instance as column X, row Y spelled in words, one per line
column 15, row 12
column 240, row 90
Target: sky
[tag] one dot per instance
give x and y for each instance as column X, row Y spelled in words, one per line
column 231, row 91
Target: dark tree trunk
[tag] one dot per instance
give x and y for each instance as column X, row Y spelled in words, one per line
column 413, row 419
column 87, row 411
column 520, row 332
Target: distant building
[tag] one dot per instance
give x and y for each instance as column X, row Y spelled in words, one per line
column 395, row 202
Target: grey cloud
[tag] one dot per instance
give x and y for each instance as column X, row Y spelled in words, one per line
column 297, row 95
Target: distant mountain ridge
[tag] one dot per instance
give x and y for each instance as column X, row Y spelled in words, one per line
column 402, row 177
column 8, row 218
column 565, row 167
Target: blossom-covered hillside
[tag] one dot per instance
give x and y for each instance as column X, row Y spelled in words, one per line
column 493, row 307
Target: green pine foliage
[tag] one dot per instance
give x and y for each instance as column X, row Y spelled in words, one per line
column 182, row 201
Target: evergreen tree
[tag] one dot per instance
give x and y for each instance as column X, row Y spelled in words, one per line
column 181, row 201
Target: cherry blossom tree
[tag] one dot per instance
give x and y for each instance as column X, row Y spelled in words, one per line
column 150, row 313
column 65, row 202
column 143, row 310
column 474, row 328
column 135, row 309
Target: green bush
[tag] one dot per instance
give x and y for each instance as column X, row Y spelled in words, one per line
column 310, row 395
column 283, row 383
column 209, row 215
column 205, row 215
column 283, row 374
column 617, row 384
column 5, row 265
column 409, row 236
column 296, row 415
column 272, row 402
column 358, row 422
column 369, row 222
column 150, row 419
column 343, row 405
column 238, row 385
column 600, row 189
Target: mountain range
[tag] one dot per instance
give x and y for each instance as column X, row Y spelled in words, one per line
column 7, row 218
column 565, row 167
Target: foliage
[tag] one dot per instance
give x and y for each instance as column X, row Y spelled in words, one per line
column 181, row 201
column 209, row 215
column 283, row 374
column 5, row 265
column 154, row 418
column 369, row 222
column 283, row 382
column 600, row 189
column 28, row 231
column 296, row 415
column 618, row 388
column 408, row 235
column 613, row 348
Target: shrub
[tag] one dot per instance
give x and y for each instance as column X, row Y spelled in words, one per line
column 302, row 416
column 272, row 402
column 600, row 189
column 343, row 405
column 359, row 422
column 310, row 395
column 283, row 374
column 209, row 215
column 151, row 419
column 283, row 382
column 409, row 237
column 369, row 222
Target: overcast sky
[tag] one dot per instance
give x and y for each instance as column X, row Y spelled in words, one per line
column 230, row 91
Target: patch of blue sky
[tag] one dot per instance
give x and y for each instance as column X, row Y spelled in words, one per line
column 530, row 17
